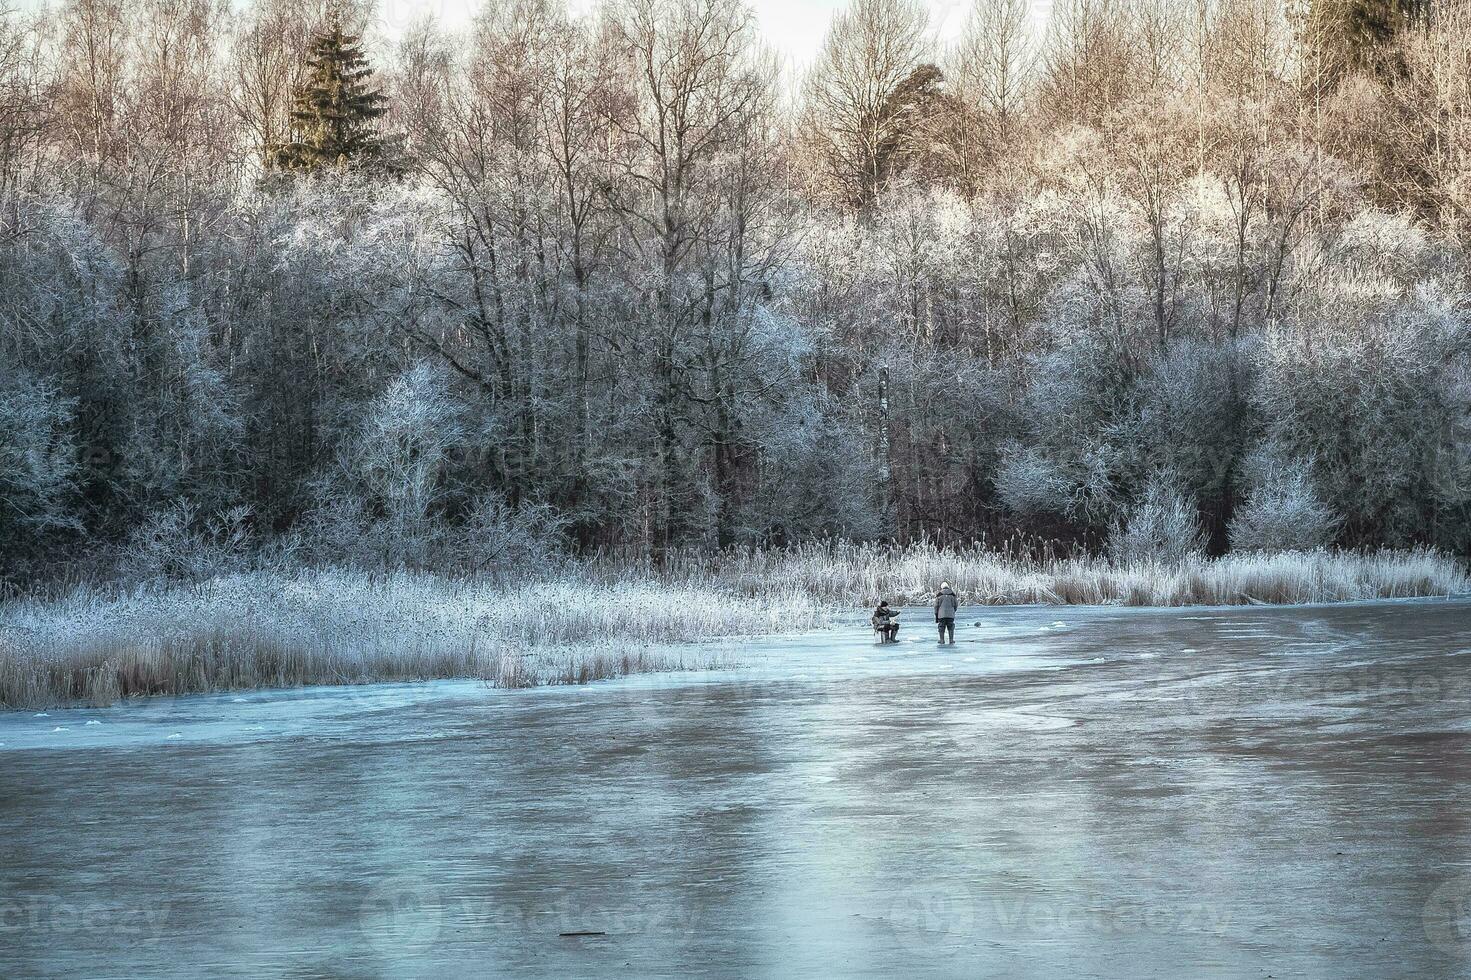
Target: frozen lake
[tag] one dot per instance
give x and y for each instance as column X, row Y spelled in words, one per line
column 1067, row 792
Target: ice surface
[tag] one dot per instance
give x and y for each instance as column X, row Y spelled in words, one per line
column 1287, row 801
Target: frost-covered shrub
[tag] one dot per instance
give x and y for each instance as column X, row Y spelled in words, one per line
column 498, row 535
column 1379, row 409
column 820, row 477
column 182, row 543
column 402, row 446
column 1162, row 527
column 1084, row 444
column 1388, row 250
column 1282, row 511
column 1193, row 416
column 1028, row 483
column 377, row 503
column 37, row 459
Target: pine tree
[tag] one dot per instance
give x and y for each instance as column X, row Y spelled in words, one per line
column 1360, row 34
column 914, row 114
column 335, row 108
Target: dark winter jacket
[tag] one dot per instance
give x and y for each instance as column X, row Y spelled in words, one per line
column 946, row 603
column 882, row 615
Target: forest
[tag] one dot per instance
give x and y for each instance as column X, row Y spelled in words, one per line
column 1163, row 278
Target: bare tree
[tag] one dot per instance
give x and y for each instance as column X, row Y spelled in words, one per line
column 1156, row 27
column 576, row 125
column 178, row 125
column 1091, row 60
column 93, row 53
column 991, row 72
column 694, row 86
column 850, row 113
column 24, row 107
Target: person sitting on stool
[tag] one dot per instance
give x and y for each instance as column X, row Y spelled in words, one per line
column 884, row 623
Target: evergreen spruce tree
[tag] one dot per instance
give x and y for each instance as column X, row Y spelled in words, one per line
column 1360, row 34
column 335, row 108
column 912, row 115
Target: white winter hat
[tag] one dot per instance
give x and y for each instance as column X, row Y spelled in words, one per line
column 944, row 585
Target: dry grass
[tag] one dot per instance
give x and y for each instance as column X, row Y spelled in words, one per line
column 856, row 574
column 600, row 621
column 258, row 631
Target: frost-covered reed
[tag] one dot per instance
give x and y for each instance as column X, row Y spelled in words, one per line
column 334, row 627
column 856, row 574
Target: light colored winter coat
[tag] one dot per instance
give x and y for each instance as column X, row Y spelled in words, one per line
column 945, row 604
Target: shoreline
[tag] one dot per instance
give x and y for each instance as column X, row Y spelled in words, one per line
column 1011, row 642
column 581, row 623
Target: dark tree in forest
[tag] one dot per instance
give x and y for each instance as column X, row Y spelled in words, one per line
column 336, row 108
column 914, row 111
column 1359, row 34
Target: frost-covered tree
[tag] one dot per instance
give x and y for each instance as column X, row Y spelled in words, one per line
column 180, row 542
column 1282, row 511
column 1092, row 63
column 992, row 72
column 649, row 300
column 381, row 495
column 1162, row 526
column 37, row 462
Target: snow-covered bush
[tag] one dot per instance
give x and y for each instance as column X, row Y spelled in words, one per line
column 1084, row 444
column 1029, row 484
column 1381, row 397
column 378, row 501
column 181, row 543
column 1282, row 512
column 1163, row 527
column 497, row 535
column 1194, row 417
column 821, row 478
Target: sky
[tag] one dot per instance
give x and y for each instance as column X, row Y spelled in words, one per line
column 794, row 27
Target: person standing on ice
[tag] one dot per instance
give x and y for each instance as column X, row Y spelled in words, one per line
column 947, row 604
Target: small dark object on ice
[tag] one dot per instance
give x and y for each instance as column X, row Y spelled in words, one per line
column 563, row 935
